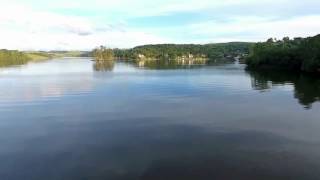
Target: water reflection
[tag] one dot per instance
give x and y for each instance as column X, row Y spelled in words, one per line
column 103, row 65
column 9, row 63
column 38, row 81
column 124, row 148
column 137, row 124
column 159, row 64
column 306, row 87
column 170, row 64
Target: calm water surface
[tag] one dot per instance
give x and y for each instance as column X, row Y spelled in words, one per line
column 73, row 119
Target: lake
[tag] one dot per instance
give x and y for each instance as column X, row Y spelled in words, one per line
column 74, row 119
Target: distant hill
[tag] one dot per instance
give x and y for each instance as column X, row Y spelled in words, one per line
column 70, row 53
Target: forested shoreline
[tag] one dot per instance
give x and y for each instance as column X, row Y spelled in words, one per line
column 298, row 54
column 175, row 52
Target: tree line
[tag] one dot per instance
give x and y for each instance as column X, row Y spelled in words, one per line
column 174, row 51
column 298, row 54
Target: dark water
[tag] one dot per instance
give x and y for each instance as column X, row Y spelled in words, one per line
column 72, row 119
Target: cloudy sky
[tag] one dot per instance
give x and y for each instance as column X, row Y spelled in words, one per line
column 84, row 24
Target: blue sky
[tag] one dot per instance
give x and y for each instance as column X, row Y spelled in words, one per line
column 84, row 24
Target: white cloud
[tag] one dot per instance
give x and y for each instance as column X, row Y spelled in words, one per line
column 257, row 28
column 22, row 27
column 33, row 24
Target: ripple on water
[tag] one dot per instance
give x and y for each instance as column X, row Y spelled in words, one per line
column 64, row 119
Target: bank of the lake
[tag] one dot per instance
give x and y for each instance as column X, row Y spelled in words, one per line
column 175, row 52
column 15, row 57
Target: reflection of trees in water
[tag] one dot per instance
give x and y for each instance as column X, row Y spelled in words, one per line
column 9, row 63
column 307, row 90
column 103, row 65
column 306, row 87
column 170, row 64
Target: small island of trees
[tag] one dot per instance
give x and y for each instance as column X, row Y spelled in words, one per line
column 102, row 53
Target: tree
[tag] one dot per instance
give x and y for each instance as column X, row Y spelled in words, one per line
column 103, row 53
column 299, row 54
column 270, row 40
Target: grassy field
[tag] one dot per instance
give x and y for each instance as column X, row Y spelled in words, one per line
column 38, row 56
column 15, row 57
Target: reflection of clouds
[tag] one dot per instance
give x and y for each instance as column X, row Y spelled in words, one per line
column 52, row 67
column 45, row 89
column 228, row 78
column 52, row 79
column 124, row 68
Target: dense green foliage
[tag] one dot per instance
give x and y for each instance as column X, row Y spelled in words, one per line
column 12, row 57
column 299, row 54
column 103, row 53
column 173, row 51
